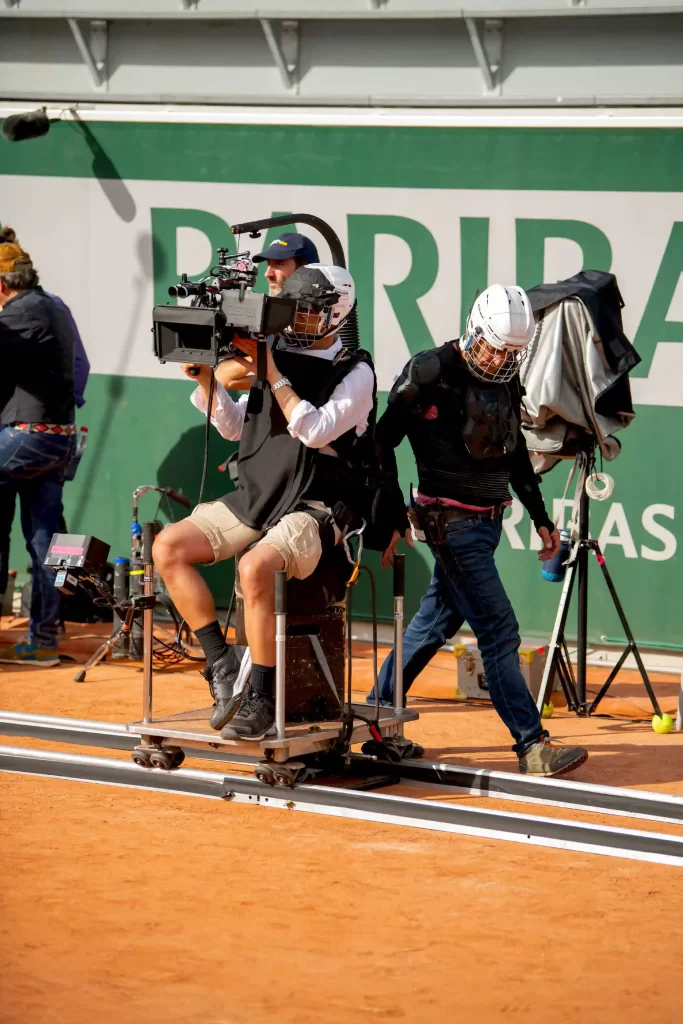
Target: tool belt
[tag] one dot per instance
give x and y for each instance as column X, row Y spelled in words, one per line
column 431, row 520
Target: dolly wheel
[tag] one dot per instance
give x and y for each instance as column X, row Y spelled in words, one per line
column 141, row 758
column 284, row 777
column 161, row 759
column 178, row 758
column 264, row 773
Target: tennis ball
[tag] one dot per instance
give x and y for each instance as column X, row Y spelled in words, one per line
column 548, row 711
column 663, row 724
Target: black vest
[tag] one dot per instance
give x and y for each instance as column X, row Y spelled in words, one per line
column 37, row 352
column 466, row 451
column 277, row 471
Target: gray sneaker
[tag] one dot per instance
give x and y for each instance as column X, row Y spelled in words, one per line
column 549, row 758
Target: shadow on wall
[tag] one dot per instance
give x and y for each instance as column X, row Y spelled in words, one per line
column 181, row 469
column 117, row 383
column 182, row 466
column 104, row 170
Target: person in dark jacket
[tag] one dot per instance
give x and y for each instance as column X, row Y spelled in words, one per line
column 459, row 406
column 37, row 438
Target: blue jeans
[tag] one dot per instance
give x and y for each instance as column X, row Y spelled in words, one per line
column 465, row 585
column 32, row 466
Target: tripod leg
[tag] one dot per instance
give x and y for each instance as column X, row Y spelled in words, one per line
column 632, row 646
column 567, row 680
column 608, row 682
column 104, row 649
column 571, row 678
column 557, row 638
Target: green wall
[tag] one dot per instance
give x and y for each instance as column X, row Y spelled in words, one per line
column 153, row 181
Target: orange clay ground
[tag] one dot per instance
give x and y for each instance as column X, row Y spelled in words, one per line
column 126, row 906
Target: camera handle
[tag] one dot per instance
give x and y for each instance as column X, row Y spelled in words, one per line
column 254, row 228
column 349, row 332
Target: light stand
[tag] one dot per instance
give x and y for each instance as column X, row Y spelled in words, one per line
column 574, row 686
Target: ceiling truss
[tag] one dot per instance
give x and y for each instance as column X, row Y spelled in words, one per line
column 373, row 52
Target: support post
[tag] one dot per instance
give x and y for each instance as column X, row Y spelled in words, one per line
column 147, row 621
column 399, row 592
column 582, row 618
column 487, row 43
column 283, row 43
column 280, row 651
column 94, row 54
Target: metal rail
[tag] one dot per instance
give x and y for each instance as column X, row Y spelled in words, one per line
column 477, row 822
column 565, row 793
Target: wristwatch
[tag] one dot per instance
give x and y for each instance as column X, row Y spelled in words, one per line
column 281, row 383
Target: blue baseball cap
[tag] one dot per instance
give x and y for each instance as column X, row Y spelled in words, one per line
column 290, row 244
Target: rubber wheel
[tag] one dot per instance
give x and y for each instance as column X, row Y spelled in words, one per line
column 265, row 775
column 161, row 760
column 141, row 759
column 284, row 779
column 178, row 759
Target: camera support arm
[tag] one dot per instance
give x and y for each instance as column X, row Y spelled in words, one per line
column 254, row 228
column 349, row 331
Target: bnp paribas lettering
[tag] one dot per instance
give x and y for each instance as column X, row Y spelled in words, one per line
column 641, row 535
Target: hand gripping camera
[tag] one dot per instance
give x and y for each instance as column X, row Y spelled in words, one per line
column 223, row 304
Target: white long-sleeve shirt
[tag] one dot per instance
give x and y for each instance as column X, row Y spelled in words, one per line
column 348, row 406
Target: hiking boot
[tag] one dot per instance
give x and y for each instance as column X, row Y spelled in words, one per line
column 254, row 720
column 227, row 680
column 549, row 758
column 25, row 653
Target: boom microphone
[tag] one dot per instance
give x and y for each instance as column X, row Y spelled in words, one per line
column 26, row 126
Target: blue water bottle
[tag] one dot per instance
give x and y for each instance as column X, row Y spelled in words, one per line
column 555, row 568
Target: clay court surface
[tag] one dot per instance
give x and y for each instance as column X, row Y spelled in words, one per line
column 121, row 905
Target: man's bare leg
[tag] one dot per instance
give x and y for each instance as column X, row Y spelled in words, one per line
column 176, row 551
column 257, row 579
column 256, row 716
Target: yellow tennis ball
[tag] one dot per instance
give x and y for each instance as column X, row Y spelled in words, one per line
column 663, row 724
column 547, row 711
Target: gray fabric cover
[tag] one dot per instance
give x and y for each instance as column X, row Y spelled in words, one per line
column 564, row 375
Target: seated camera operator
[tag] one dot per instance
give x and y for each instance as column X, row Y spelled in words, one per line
column 37, row 440
column 316, row 399
column 459, row 406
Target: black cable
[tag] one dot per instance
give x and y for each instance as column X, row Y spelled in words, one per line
column 212, row 388
column 207, row 435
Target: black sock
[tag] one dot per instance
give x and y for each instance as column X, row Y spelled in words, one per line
column 263, row 679
column 212, row 641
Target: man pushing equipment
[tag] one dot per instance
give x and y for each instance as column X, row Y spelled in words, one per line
column 295, row 430
column 459, row 406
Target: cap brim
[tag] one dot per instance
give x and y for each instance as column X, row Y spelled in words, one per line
column 273, row 254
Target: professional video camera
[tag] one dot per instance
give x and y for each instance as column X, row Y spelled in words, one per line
column 223, row 304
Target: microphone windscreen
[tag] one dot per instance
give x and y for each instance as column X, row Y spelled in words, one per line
column 26, row 126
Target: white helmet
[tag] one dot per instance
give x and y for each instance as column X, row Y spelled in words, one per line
column 500, row 324
column 324, row 295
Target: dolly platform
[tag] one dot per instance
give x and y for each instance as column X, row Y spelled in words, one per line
column 319, row 743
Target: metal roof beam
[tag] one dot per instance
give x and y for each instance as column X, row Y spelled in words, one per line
column 487, row 43
column 283, row 42
column 94, row 54
column 324, row 10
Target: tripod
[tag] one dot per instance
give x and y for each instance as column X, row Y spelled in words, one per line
column 574, row 686
column 138, row 603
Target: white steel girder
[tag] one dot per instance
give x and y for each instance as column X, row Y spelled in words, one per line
column 362, row 53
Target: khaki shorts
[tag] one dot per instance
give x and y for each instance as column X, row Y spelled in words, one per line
column 296, row 537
